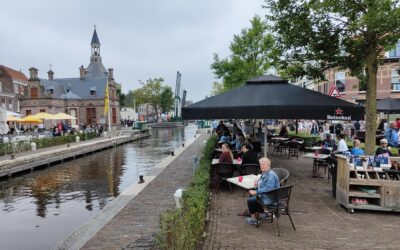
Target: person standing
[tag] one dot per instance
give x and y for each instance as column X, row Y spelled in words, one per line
column 391, row 134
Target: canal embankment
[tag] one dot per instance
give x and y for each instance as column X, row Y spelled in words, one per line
column 11, row 164
column 132, row 219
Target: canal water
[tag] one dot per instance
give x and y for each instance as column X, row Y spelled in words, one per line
column 40, row 208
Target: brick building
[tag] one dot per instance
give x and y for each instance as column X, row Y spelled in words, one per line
column 388, row 82
column 82, row 97
column 13, row 85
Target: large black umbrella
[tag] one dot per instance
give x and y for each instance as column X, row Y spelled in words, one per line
column 388, row 106
column 270, row 97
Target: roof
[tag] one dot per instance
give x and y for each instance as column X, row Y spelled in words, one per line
column 70, row 88
column 95, row 39
column 14, row 74
column 96, row 69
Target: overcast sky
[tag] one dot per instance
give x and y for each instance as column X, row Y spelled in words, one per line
column 139, row 39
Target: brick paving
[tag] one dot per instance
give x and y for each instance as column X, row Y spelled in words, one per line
column 320, row 222
column 137, row 224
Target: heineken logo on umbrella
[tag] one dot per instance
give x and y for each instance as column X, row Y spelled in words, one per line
column 339, row 115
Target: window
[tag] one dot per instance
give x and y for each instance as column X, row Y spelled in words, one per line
column 10, row 104
column 34, row 92
column 3, row 103
column 395, row 79
column 91, row 116
column 92, row 92
column 28, row 112
column 340, row 80
column 42, row 110
column 114, row 116
column 16, row 88
column 1, row 87
column 395, row 52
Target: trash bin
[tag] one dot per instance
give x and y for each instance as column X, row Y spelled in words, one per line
column 33, row 146
column 178, row 197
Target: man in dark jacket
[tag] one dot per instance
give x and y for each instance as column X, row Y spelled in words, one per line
column 248, row 155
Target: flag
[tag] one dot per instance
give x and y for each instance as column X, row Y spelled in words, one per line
column 106, row 100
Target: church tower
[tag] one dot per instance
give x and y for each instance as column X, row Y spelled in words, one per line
column 96, row 67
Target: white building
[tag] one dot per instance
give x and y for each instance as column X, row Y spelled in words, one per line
column 129, row 114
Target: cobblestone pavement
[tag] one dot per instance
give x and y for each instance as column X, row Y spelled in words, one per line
column 137, row 224
column 320, row 223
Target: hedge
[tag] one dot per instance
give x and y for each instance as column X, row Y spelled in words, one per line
column 22, row 146
column 183, row 228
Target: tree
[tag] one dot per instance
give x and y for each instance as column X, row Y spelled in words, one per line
column 167, row 99
column 253, row 53
column 218, row 88
column 349, row 34
column 150, row 92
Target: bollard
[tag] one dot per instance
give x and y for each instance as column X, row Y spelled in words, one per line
column 77, row 139
column 141, row 179
column 33, row 146
column 183, row 144
column 195, row 161
column 172, row 153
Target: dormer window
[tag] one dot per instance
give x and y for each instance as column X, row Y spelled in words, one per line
column 51, row 90
column 93, row 91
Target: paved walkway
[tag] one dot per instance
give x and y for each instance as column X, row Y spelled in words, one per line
column 136, row 225
column 320, row 223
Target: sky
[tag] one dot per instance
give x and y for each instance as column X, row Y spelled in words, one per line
column 140, row 39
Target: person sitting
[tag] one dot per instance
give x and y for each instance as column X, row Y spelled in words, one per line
column 248, row 155
column 225, row 138
column 267, row 182
column 383, row 149
column 238, row 143
column 226, row 154
column 284, row 132
column 391, row 134
column 329, row 142
column 342, row 146
column 221, row 128
column 356, row 150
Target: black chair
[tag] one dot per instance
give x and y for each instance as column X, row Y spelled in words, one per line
column 283, row 175
column 293, row 149
column 280, row 148
column 256, row 146
column 280, row 206
column 224, row 171
column 246, row 169
column 322, row 162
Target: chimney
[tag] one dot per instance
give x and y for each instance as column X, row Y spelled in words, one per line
column 110, row 74
column 82, row 72
column 33, row 72
column 50, row 74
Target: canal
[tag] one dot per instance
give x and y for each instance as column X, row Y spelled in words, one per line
column 40, row 208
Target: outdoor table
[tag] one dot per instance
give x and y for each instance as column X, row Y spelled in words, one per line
column 315, row 158
column 319, row 148
column 280, row 138
column 216, row 161
column 248, row 182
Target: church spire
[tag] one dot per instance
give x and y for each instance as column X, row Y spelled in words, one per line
column 95, row 44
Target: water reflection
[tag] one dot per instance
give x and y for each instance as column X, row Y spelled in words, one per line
column 44, row 206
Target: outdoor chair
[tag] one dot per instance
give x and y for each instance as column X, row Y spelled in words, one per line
column 322, row 162
column 256, row 146
column 293, row 149
column 280, row 206
column 280, row 148
column 224, row 171
column 283, row 175
column 246, row 169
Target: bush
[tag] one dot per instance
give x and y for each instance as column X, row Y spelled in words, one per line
column 183, row 228
column 22, row 146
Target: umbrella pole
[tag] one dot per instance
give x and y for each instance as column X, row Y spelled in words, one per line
column 265, row 139
column 297, row 127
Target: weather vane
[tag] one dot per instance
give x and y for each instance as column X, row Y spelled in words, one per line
column 51, row 66
column 94, row 25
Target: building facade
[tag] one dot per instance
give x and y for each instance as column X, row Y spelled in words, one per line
column 13, row 85
column 82, row 97
column 350, row 88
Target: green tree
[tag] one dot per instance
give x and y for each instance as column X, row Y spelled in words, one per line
column 129, row 99
column 218, row 88
column 253, row 53
column 150, row 92
column 349, row 34
column 167, row 99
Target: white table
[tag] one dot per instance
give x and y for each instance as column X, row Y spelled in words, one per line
column 315, row 157
column 248, row 182
column 216, row 161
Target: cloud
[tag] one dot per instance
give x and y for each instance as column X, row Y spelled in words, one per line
column 139, row 39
